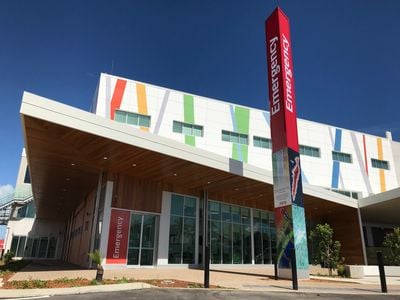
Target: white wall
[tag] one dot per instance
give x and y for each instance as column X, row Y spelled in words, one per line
column 165, row 105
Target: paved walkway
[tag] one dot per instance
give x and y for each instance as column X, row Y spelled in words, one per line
column 251, row 278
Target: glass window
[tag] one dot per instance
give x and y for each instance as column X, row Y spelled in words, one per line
column 261, row 142
column 120, row 116
column 214, row 210
column 175, row 240
column 35, row 247
column 182, row 234
column 197, row 130
column 235, row 137
column 43, row 247
column 14, row 244
column 309, row 151
column 177, row 127
column 341, row 156
column 52, row 248
column 132, row 118
column 27, row 178
column 177, row 205
column 28, row 247
column 225, row 136
column 144, row 121
column 236, row 217
column 230, row 235
column 21, row 246
column 190, row 206
column 380, row 164
column 189, row 240
column 187, row 129
column 226, row 213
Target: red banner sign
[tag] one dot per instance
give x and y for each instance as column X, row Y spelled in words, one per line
column 282, row 100
column 118, row 237
column 1, row 244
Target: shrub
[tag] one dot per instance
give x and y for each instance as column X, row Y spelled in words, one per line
column 392, row 242
column 8, row 257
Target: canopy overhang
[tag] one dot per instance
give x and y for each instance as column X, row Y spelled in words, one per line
column 383, row 208
column 67, row 149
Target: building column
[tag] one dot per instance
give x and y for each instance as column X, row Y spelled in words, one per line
column 95, row 216
column 362, row 236
column 105, row 226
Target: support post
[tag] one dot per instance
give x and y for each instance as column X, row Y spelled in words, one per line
column 381, row 271
column 206, row 253
column 275, row 268
column 295, row 283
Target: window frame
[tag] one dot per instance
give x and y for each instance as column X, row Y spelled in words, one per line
column 303, row 148
column 180, row 127
column 380, row 164
column 234, row 137
column 260, row 140
column 142, row 120
column 341, row 156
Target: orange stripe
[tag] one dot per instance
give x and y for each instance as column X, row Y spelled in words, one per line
column 117, row 96
column 381, row 171
column 142, row 101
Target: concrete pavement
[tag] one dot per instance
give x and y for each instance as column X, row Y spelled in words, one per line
column 250, row 279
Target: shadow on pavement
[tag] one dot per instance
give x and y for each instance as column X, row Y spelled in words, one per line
column 50, row 265
column 243, row 273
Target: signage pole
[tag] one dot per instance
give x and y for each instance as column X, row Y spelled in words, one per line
column 288, row 190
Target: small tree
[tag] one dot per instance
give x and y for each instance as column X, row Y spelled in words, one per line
column 97, row 259
column 327, row 250
column 392, row 242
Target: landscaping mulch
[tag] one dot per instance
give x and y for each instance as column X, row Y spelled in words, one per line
column 78, row 282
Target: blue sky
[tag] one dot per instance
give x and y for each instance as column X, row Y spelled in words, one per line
column 346, row 56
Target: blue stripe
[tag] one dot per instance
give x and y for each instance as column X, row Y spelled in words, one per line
column 266, row 117
column 303, row 177
column 338, row 139
column 336, row 164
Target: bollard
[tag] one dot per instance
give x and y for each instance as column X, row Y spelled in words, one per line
column 207, row 268
column 381, row 271
column 294, row 269
column 276, row 268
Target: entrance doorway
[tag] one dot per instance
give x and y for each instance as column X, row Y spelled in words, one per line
column 141, row 239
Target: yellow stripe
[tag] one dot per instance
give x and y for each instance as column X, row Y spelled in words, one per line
column 381, row 171
column 142, row 101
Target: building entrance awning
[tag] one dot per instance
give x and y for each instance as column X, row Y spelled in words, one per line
column 383, row 208
column 68, row 148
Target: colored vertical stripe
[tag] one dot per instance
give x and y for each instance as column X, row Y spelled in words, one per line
column 365, row 155
column 162, row 112
column 336, row 164
column 241, row 122
column 188, row 117
column 117, row 97
column 381, row 171
column 142, row 101
column 362, row 161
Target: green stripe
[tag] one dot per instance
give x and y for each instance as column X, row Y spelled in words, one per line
column 242, row 117
column 242, row 120
column 188, row 109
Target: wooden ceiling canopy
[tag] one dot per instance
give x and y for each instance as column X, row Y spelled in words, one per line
column 65, row 164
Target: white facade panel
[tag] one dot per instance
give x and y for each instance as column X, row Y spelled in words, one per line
column 166, row 105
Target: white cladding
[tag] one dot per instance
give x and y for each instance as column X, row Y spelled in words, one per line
column 165, row 106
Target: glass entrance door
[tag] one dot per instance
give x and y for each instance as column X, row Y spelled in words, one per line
column 141, row 239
